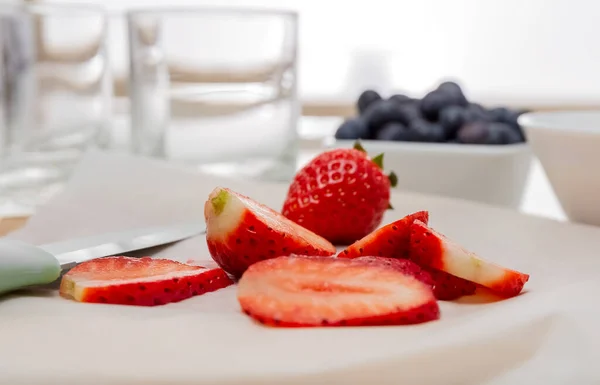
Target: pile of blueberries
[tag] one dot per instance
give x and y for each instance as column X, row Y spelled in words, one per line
column 443, row 115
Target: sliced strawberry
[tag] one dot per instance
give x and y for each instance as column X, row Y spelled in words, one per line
column 430, row 248
column 297, row 291
column 393, row 240
column 447, row 287
column 403, row 265
column 139, row 281
column 241, row 231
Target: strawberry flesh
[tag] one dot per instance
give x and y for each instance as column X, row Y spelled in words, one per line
column 302, row 291
column 430, row 248
column 393, row 240
column 241, row 231
column 403, row 265
column 139, row 281
column 340, row 195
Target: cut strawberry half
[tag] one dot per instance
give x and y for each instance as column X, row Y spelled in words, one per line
column 139, row 281
column 297, row 291
column 430, row 248
column 241, row 231
column 393, row 240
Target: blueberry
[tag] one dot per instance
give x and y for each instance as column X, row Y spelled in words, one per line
column 449, row 86
column 502, row 133
column 474, row 133
column 421, row 130
column 519, row 132
column 367, row 98
column 401, row 99
column 500, row 114
column 433, row 102
column 380, row 113
column 452, row 118
column 455, row 92
column 488, row 133
column 409, row 112
column 477, row 113
column 508, row 116
column 352, row 129
column 393, row 131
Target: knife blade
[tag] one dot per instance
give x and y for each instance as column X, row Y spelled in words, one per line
column 23, row 265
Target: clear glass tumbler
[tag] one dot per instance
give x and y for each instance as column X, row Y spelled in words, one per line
column 216, row 89
column 55, row 95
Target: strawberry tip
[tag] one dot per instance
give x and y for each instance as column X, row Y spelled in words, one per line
column 219, row 201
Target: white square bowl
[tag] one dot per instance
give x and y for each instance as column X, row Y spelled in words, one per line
column 494, row 175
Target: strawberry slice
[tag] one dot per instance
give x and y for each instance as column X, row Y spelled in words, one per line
column 430, row 248
column 393, row 240
column 297, row 291
column 139, row 281
column 241, row 231
column 447, row 287
column 405, row 266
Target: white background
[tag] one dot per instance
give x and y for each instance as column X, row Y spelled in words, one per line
column 545, row 51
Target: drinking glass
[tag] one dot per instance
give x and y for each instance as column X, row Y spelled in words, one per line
column 55, row 96
column 216, row 89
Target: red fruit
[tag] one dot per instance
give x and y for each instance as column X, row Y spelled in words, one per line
column 403, row 265
column 341, row 195
column 139, row 281
column 447, row 287
column 393, row 241
column 241, row 231
column 299, row 291
column 388, row 241
column 430, row 248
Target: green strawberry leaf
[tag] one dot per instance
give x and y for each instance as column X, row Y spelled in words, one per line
column 378, row 160
column 359, row 147
column 393, row 179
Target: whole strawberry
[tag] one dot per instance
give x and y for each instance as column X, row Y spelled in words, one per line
column 340, row 195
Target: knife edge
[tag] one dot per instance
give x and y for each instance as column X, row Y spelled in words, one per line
column 73, row 251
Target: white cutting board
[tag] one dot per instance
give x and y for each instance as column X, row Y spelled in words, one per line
column 547, row 335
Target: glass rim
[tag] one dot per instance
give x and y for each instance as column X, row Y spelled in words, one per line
column 215, row 10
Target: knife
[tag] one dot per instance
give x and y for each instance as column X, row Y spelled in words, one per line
column 23, row 265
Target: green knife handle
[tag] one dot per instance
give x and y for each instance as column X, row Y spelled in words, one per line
column 23, row 265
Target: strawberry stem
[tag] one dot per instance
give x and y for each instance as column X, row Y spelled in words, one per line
column 390, row 207
column 359, row 147
column 219, row 201
column 393, row 179
column 378, row 160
